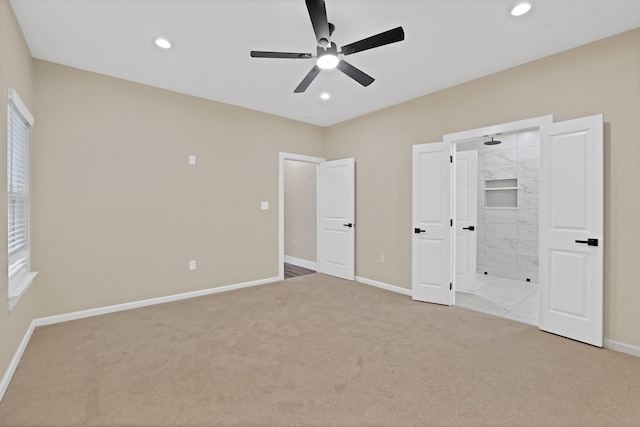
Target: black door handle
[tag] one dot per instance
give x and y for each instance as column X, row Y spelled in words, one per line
column 590, row 242
column 418, row 231
column 348, row 225
column 470, row 228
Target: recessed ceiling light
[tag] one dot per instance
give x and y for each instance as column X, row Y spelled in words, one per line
column 325, row 96
column 163, row 43
column 521, row 8
column 328, row 61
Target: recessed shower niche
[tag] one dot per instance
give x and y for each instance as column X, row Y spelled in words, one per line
column 501, row 193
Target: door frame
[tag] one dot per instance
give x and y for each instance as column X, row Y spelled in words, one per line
column 281, row 158
column 468, row 135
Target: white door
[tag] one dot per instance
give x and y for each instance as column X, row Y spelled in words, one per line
column 571, row 229
column 336, row 213
column 432, row 223
column 466, row 167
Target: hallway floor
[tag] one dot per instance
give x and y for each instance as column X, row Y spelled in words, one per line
column 291, row 270
column 513, row 299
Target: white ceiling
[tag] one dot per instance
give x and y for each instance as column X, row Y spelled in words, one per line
column 447, row 42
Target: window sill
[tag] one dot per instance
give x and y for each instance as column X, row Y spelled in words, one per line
column 20, row 288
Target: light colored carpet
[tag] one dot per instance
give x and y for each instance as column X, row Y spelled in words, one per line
column 315, row 350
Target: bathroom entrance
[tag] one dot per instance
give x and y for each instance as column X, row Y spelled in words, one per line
column 497, row 213
column 570, row 202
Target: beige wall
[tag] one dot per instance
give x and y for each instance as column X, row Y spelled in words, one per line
column 16, row 72
column 602, row 77
column 118, row 212
column 300, row 210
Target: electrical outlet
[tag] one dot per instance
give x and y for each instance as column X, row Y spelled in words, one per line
column 192, row 264
column 264, row 206
column 192, row 159
column 295, row 243
column 381, row 259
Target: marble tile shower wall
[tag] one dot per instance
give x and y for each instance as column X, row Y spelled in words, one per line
column 508, row 238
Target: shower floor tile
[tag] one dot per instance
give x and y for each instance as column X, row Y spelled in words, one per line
column 513, row 299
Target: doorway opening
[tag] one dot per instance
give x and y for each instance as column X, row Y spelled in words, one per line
column 335, row 195
column 497, row 261
column 300, row 218
column 503, row 227
column 298, row 215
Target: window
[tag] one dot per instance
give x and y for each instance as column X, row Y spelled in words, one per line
column 19, row 121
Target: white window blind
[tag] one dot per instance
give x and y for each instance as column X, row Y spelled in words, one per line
column 18, row 193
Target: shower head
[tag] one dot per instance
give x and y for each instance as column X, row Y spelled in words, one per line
column 492, row 142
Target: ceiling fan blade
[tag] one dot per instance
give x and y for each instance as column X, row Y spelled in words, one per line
column 387, row 37
column 288, row 55
column 357, row 75
column 318, row 14
column 304, row 84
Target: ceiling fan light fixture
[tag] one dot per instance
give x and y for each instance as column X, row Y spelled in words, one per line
column 163, row 43
column 520, row 9
column 328, row 61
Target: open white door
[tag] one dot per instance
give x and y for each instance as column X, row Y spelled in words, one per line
column 432, row 223
column 466, row 219
column 336, row 217
column 571, row 229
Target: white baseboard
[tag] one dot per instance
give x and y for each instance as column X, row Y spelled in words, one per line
column 385, row 286
column 622, row 347
column 13, row 365
column 301, row 262
column 42, row 321
column 147, row 302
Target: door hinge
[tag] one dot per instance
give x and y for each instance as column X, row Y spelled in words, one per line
column 450, row 159
column 450, row 286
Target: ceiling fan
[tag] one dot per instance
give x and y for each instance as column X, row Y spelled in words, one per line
column 327, row 52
